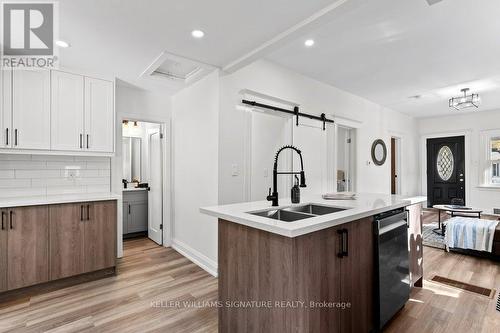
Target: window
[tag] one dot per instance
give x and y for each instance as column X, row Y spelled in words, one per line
column 494, row 160
column 494, row 152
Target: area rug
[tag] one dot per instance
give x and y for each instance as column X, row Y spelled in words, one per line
column 430, row 238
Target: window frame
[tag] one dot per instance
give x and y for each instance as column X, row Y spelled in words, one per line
column 487, row 162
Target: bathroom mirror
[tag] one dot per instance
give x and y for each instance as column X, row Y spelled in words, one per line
column 379, row 152
column 132, row 159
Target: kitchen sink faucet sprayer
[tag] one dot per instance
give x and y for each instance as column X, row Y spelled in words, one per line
column 274, row 195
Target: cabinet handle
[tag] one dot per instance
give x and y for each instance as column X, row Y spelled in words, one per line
column 81, row 212
column 15, row 137
column 11, row 226
column 129, row 209
column 3, row 220
column 346, row 249
column 81, row 141
column 6, row 136
column 88, row 212
column 341, row 234
column 88, row 141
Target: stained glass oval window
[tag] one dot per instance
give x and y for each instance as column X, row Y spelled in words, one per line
column 445, row 163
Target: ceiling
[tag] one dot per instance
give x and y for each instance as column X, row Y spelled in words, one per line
column 390, row 50
column 123, row 37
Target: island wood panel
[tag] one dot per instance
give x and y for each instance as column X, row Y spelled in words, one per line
column 255, row 265
column 357, row 274
column 317, row 278
column 415, row 244
column 3, row 250
column 28, row 246
column 66, row 240
column 100, row 235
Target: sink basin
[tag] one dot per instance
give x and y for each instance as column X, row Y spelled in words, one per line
column 315, row 209
column 282, row 215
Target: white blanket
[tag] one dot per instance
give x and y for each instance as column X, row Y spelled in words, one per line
column 470, row 233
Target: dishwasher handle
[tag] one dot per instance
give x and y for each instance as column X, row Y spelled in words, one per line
column 392, row 222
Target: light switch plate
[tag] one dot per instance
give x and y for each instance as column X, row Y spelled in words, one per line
column 234, row 170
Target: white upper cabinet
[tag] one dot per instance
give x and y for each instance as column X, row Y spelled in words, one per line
column 31, row 109
column 67, row 114
column 99, row 115
column 5, row 108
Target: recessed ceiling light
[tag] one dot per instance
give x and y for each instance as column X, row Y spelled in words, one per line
column 309, row 42
column 197, row 33
column 62, row 43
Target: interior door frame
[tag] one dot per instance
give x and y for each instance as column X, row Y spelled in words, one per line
column 423, row 157
column 150, row 132
column 398, row 149
column 167, row 188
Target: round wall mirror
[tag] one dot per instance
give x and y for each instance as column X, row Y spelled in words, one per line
column 379, row 152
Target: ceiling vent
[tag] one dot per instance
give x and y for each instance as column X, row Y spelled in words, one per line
column 173, row 67
column 433, row 2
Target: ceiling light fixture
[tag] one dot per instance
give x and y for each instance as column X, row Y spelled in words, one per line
column 62, row 43
column 465, row 101
column 197, row 33
column 309, row 42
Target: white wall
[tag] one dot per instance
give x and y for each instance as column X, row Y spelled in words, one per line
column 195, row 165
column 471, row 125
column 373, row 120
column 137, row 104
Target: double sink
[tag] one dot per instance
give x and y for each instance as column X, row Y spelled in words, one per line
column 296, row 213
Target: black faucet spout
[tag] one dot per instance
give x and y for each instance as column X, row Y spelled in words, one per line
column 273, row 197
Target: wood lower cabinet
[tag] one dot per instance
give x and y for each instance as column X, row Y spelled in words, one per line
column 100, row 236
column 50, row 242
column 27, row 246
column 415, row 244
column 66, row 240
column 330, row 270
column 82, row 238
column 3, row 250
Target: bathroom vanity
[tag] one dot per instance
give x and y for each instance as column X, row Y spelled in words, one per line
column 307, row 267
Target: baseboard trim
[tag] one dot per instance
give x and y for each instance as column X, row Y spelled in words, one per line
column 196, row 257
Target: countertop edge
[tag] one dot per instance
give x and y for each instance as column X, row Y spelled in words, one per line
column 54, row 200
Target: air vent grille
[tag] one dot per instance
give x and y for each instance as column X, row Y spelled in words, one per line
column 433, row 2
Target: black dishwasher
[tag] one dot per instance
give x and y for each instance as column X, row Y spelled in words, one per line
column 392, row 278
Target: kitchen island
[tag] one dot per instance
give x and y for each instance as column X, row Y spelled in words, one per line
column 306, row 267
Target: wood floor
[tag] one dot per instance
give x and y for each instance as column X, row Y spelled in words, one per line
column 135, row 300
column 150, row 275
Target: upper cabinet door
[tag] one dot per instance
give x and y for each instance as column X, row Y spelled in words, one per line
column 31, row 109
column 5, row 108
column 99, row 115
column 67, row 111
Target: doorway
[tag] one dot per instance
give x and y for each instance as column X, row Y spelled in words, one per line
column 395, row 165
column 445, row 170
column 345, row 159
column 142, row 180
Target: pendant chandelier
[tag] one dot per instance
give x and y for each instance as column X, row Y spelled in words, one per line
column 465, row 101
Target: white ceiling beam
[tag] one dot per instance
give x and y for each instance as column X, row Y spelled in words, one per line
column 309, row 24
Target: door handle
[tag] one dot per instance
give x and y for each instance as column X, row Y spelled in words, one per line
column 3, row 220
column 15, row 137
column 88, row 212
column 11, row 225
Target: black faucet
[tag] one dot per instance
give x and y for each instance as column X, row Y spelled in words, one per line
column 274, row 196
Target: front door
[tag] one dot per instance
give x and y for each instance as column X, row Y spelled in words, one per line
column 445, row 170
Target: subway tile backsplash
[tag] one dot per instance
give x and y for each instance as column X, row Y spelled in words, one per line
column 40, row 175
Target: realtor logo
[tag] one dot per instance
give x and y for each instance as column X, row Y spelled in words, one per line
column 28, row 34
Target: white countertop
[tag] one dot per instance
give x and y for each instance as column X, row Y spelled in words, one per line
column 365, row 205
column 133, row 189
column 56, row 199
